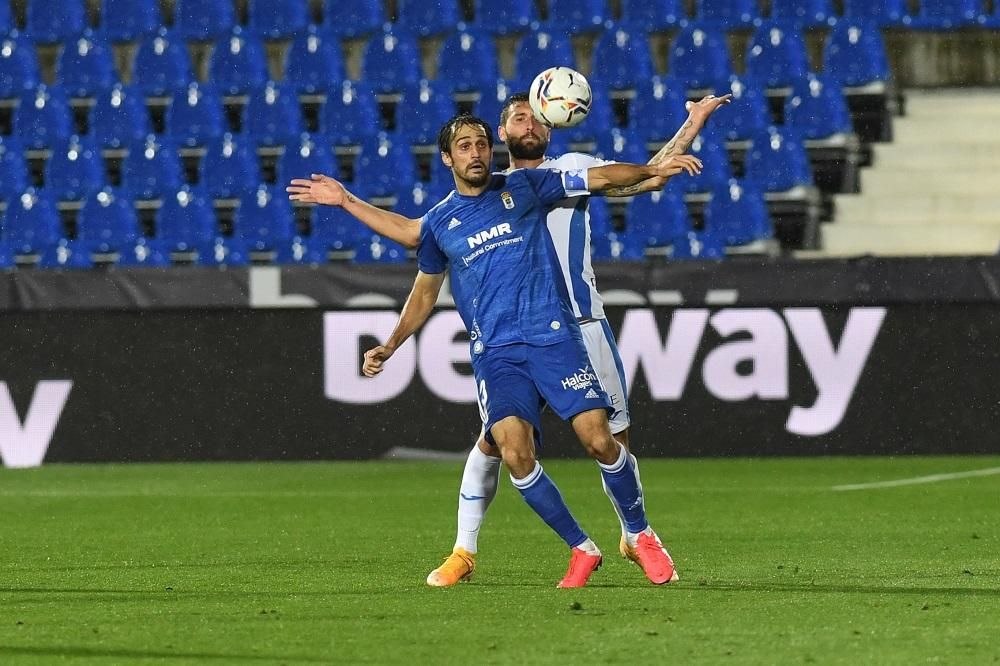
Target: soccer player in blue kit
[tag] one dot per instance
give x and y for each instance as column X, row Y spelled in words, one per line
column 526, row 343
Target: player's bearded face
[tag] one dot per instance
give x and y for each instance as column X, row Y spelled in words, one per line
column 527, row 138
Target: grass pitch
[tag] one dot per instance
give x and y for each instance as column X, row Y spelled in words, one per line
column 324, row 563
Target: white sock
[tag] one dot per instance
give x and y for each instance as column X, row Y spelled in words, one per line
column 633, row 537
column 614, row 503
column 479, row 486
column 590, row 548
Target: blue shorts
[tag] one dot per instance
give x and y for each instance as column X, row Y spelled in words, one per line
column 519, row 379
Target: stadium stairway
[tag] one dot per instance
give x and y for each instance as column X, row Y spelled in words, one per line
column 934, row 189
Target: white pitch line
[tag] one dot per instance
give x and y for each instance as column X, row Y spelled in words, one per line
column 933, row 478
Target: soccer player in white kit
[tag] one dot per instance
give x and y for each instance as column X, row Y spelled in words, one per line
column 568, row 223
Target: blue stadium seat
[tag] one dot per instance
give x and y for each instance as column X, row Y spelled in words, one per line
column 32, row 222
column 622, row 145
column 737, row 214
column 353, row 18
column 504, row 18
column 129, row 20
column 18, row 65
column 804, row 13
column 107, row 222
column 415, row 201
column 264, row 219
column 314, row 60
column 6, row 24
column 538, row 51
column 75, row 170
column 776, row 55
column 991, row 21
column 777, row 161
column 573, row 17
column 49, row 22
column 384, row 167
column 335, row 229
column 305, row 155
column 947, row 14
column 230, row 167
column 659, row 218
column 85, row 65
column 203, row 20
column 350, row 114
column 224, row 252
column 653, row 15
column 391, row 60
column 186, row 220
column 144, row 254
column 278, row 19
column 66, row 255
column 152, row 169
column 621, row 60
column 492, row 100
column 272, row 115
column 162, row 64
column 14, row 168
column 747, row 113
column 300, row 251
column 425, row 107
column 119, row 117
column 701, row 245
column 715, row 165
column 657, row 111
column 468, row 61
column 238, row 62
column 881, row 12
column 379, row 250
column 854, row 54
column 617, row 246
column 428, row 17
column 699, row 56
column 7, row 260
column 728, row 14
column 195, row 116
column 817, row 109
column 43, row 117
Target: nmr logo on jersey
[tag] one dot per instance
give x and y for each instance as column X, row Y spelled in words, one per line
column 489, row 234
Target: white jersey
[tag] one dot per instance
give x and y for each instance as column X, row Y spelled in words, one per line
column 569, row 226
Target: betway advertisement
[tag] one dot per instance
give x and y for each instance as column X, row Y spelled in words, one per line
column 286, row 384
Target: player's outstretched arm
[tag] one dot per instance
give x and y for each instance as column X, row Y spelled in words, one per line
column 622, row 174
column 320, row 189
column 417, row 309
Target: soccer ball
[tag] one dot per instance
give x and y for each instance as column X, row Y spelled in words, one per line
column 560, row 97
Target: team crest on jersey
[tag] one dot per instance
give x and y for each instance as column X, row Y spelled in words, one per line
column 507, row 199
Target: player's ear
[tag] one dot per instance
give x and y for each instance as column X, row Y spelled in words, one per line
column 446, row 158
column 502, row 133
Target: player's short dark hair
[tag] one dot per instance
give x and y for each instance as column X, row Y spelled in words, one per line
column 447, row 132
column 516, row 98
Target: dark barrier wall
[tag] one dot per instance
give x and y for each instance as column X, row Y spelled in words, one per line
column 240, row 384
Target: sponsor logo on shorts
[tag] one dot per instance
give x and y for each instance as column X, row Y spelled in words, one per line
column 582, row 379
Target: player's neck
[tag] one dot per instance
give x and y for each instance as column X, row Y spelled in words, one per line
column 526, row 164
column 468, row 190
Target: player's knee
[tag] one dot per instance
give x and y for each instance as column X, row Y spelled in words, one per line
column 603, row 448
column 520, row 461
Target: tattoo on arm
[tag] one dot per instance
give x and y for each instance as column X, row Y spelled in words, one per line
column 679, row 144
column 623, row 191
column 350, row 198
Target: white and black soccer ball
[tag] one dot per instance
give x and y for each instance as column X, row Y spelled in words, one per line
column 560, row 97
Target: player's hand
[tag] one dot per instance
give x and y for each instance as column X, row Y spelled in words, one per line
column 374, row 359
column 319, row 189
column 706, row 106
column 677, row 164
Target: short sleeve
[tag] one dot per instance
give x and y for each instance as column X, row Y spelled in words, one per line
column 431, row 258
column 551, row 185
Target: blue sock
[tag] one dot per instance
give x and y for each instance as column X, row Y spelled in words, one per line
column 544, row 498
column 621, row 479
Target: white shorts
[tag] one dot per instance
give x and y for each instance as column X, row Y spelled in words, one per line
column 603, row 352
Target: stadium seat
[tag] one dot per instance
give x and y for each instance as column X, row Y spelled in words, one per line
column 882, row 13
column 224, row 252
column 278, row 19
column 538, row 51
column 947, row 14
column 492, row 100
column 652, row 15
column 727, row 14
column 85, row 65
column 43, row 117
column 384, row 167
column 991, row 21
column 32, row 222
column 305, row 155
column 186, row 220
column 272, row 115
column 391, row 60
column 152, row 170
column 617, row 246
column 657, row 111
column 129, row 20
column 415, row 201
column 817, row 109
column 144, row 254
column 776, row 55
column 335, row 229
column 107, row 222
column 699, row 57
column 14, row 168
column 49, row 21
column 597, row 123
column 6, row 24
column 424, row 108
column 622, row 145
column 621, row 60
column 777, row 161
column 715, row 165
column 659, row 218
column 162, row 64
column 66, row 255
column 503, row 18
column 854, row 54
column 203, row 20
column 737, row 214
column 119, row 117
column 230, row 167
column 748, row 112
column 7, row 260
column 195, row 115
column 314, row 61
column 300, row 251
column 350, row 114
column 75, row 170
column 238, row 62
column 468, row 61
column 572, row 17
column 379, row 250
column 18, row 65
column 264, row 219
column 353, row 18
column 428, row 18
column 698, row 245
column 804, row 13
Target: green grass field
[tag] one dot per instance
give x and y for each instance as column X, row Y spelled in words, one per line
column 325, row 563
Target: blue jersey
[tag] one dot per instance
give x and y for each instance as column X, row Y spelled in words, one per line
column 506, row 281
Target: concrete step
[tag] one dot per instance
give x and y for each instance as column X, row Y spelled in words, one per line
column 920, row 157
column 973, row 103
column 842, row 239
column 955, row 182
column 932, row 208
column 958, row 130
